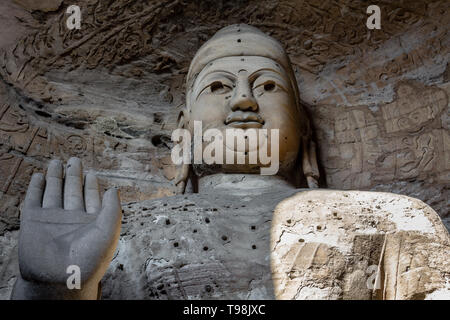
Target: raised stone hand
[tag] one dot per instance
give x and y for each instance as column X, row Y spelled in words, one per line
column 64, row 224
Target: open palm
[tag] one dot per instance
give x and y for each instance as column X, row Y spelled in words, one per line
column 64, row 223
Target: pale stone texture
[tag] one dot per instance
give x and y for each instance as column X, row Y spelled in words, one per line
column 324, row 242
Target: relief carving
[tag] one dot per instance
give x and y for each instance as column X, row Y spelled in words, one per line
column 375, row 129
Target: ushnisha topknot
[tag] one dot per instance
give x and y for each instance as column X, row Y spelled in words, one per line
column 240, row 40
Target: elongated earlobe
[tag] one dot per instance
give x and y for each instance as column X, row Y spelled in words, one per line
column 309, row 161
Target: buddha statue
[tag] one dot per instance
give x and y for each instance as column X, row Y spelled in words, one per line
column 232, row 233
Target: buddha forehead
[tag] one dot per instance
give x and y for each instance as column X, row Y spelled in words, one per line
column 234, row 64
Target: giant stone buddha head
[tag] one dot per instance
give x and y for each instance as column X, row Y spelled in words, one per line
column 242, row 78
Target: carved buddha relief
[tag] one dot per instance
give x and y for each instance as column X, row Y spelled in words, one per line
column 314, row 244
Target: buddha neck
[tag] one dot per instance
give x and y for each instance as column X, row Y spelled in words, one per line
column 242, row 183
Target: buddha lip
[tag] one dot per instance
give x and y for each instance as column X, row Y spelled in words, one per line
column 252, row 118
column 246, row 125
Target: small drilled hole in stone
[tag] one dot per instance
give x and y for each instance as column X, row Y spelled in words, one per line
column 288, row 221
column 238, row 40
column 301, row 240
column 205, row 248
column 194, row 231
column 224, row 238
column 207, row 220
column 208, row 288
column 243, row 96
column 175, row 244
column 167, row 221
column 253, row 227
column 253, row 247
column 319, row 227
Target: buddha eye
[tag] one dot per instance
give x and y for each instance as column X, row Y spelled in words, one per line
column 217, row 87
column 266, row 86
column 269, row 86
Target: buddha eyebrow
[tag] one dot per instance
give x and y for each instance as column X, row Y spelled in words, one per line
column 267, row 70
column 219, row 72
column 282, row 81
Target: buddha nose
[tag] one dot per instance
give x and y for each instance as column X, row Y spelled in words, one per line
column 243, row 98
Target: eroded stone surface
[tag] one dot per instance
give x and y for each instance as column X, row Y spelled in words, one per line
column 204, row 246
column 327, row 245
column 217, row 246
column 9, row 264
column 42, row 5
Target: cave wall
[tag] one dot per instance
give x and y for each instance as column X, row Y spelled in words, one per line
column 110, row 92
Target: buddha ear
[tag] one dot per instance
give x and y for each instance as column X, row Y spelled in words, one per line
column 183, row 118
column 309, row 162
column 183, row 169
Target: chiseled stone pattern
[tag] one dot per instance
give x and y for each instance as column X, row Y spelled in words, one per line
column 110, row 92
column 204, row 246
column 325, row 242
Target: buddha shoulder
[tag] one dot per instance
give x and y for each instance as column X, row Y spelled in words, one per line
column 357, row 212
column 320, row 236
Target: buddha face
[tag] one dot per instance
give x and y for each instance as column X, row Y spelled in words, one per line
column 247, row 92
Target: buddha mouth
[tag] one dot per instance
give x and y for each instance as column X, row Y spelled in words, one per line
column 239, row 120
